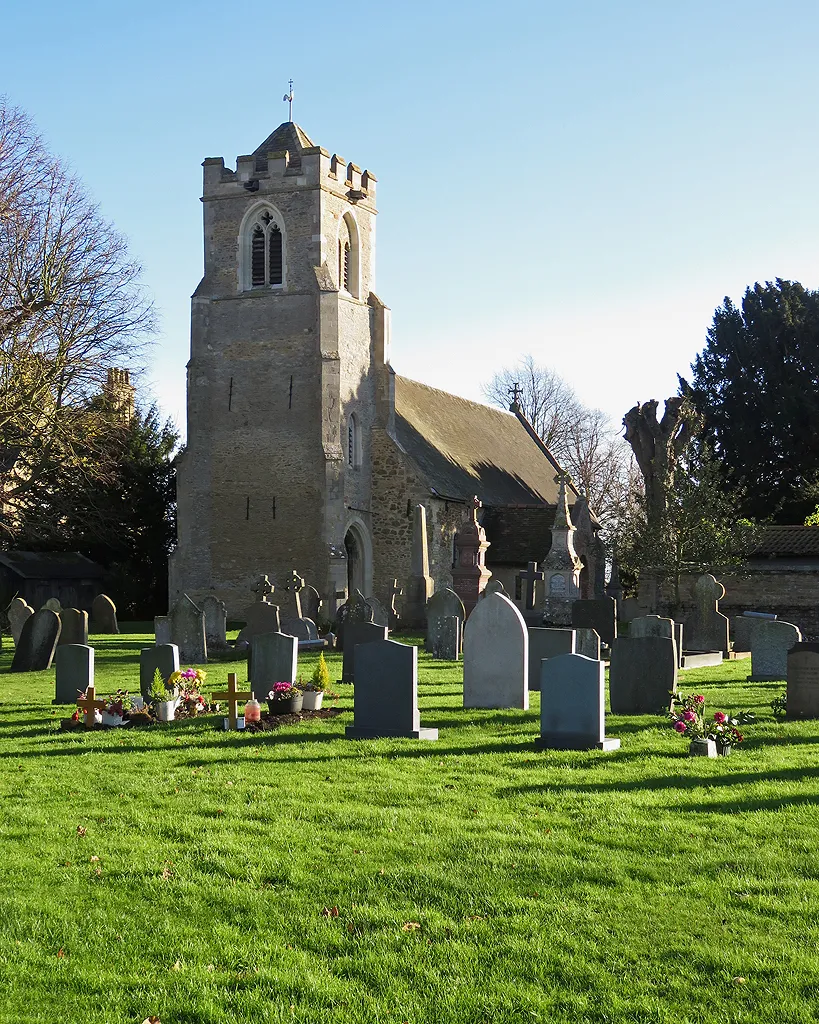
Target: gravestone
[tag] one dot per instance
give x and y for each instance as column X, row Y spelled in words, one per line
column 188, row 631
column 494, row 586
column 599, row 614
column 273, row 659
column 355, row 610
column 74, row 625
column 215, row 614
column 74, row 672
column 651, row 625
column 386, row 693
column 628, row 609
column 164, row 657
column 770, row 644
column 496, row 655
column 53, row 605
column 302, row 629
column 38, row 641
column 572, row 711
column 104, row 615
column 545, row 642
column 446, row 638
column 469, row 572
column 162, row 629
column 290, row 605
column 358, row 633
column 420, row 585
column 562, row 566
column 443, row 604
column 587, row 643
column 380, row 614
column 642, row 675
column 262, row 616
column 803, row 681
column 708, row 628
column 19, row 613
column 311, row 603
column 530, row 577
column 743, row 628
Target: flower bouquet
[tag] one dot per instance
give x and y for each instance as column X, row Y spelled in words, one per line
column 709, row 738
column 115, row 709
column 189, row 681
column 284, row 699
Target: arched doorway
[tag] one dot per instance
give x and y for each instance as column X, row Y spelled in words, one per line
column 359, row 559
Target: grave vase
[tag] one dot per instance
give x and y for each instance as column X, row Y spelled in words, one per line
column 723, row 749
column 111, row 720
column 312, row 699
column 702, row 747
column 165, row 710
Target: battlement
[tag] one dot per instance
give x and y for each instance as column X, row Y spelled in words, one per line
column 278, row 169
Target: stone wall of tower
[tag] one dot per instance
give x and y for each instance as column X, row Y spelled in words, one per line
column 263, row 484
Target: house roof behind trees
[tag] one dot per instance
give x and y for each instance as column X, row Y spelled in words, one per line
column 51, row 565
column 465, row 448
column 784, row 541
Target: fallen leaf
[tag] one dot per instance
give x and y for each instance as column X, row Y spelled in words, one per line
column 177, row 966
column 739, row 981
column 410, row 926
column 80, row 830
column 152, row 1020
column 98, row 871
column 330, row 912
column 210, row 967
column 60, row 952
column 94, row 859
column 166, row 872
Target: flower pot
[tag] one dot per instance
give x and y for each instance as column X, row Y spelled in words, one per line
column 111, row 720
column 701, row 747
column 165, row 710
column 311, row 700
column 138, row 703
column 723, row 750
column 290, row 706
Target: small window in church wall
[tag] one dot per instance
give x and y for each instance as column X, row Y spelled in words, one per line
column 346, row 274
column 353, row 442
column 266, row 252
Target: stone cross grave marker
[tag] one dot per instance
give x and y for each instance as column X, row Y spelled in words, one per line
column 386, row 693
column 446, row 638
column 546, row 642
column 19, row 612
column 215, row 614
column 531, row 577
column 572, row 711
column 803, row 681
column 232, row 696
column 709, row 628
column 273, row 659
column 188, row 631
column 291, row 608
column 599, row 613
column 442, row 605
column 164, row 657
column 356, row 633
column 89, row 705
column 74, row 623
column 496, row 656
column 643, row 674
column 38, row 641
column 104, row 615
column 770, row 644
column 74, row 672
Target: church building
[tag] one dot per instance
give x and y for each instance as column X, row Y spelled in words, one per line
column 305, row 450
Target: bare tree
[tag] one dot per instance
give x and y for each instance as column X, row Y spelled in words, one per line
column 582, row 440
column 71, row 307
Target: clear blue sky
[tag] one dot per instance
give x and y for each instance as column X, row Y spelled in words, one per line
column 581, row 181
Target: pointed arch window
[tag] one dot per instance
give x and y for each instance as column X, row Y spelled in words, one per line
column 266, row 255
column 348, row 261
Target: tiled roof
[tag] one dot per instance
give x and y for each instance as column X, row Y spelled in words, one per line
column 51, row 565
column 465, row 448
column 801, row 541
column 288, row 136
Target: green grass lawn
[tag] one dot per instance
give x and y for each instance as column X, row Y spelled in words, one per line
column 295, row 876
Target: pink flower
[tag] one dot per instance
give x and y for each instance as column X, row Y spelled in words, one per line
column 679, row 726
column 719, row 716
column 690, row 716
column 699, row 699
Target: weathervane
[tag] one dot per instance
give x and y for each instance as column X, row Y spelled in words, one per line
column 288, row 98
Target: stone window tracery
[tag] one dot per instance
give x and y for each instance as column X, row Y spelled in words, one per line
column 264, row 251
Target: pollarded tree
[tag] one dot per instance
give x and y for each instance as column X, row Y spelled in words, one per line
column 755, row 385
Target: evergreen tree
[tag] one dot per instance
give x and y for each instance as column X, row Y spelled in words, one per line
column 755, row 385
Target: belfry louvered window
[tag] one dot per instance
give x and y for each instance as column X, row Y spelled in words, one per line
column 266, row 252
column 346, row 266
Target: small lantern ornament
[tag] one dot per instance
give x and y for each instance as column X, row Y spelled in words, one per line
column 253, row 711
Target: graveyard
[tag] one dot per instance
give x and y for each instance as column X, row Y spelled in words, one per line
column 197, row 874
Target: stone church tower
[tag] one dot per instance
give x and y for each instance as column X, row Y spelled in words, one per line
column 287, row 338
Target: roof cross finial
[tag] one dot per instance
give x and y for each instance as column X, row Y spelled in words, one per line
column 288, row 98
column 516, row 391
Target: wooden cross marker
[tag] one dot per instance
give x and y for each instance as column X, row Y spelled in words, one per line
column 232, row 696
column 532, row 576
column 89, row 705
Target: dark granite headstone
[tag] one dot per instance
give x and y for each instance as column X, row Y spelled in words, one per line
column 104, row 615
column 358, row 633
column 74, row 672
column 273, row 659
column 215, row 622
column 355, row 610
column 188, row 631
column 18, row 614
column 446, row 638
column 545, row 642
column 600, row 613
column 441, row 605
column 643, row 674
column 803, row 681
column 572, row 713
column 74, row 627
column 38, row 641
column 386, row 692
column 164, row 657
